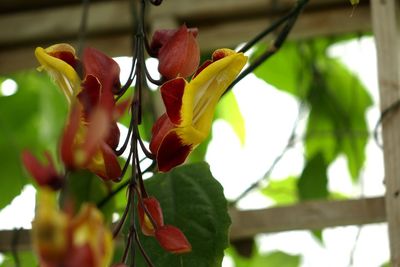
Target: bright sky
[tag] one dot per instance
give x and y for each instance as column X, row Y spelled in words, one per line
column 269, row 116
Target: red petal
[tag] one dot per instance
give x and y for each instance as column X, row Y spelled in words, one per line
column 113, row 169
column 172, row 239
column 153, row 207
column 179, row 56
column 101, row 66
column 68, row 138
column 161, row 37
column 172, row 152
column 113, row 136
column 97, row 132
column 80, row 256
column 89, row 97
column 67, row 57
column 44, row 174
column 160, row 128
column 172, row 93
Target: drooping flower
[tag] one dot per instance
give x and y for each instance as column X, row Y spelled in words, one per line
column 91, row 134
column 154, row 209
column 169, row 237
column 45, row 174
column 172, row 239
column 190, row 107
column 62, row 239
column 177, row 51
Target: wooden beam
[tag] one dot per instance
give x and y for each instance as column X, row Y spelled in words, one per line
column 42, row 29
column 386, row 26
column 308, row 215
column 245, row 224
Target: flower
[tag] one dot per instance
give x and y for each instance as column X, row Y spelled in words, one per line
column 190, row 107
column 44, row 174
column 91, row 134
column 169, row 237
column 154, row 209
column 172, row 239
column 61, row 239
column 177, row 50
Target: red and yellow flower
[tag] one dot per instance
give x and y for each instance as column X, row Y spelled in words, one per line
column 62, row 239
column 190, row 107
column 91, row 134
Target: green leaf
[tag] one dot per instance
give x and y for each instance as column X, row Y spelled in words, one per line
column 313, row 182
column 283, row 192
column 337, row 122
column 26, row 259
column 354, row 2
column 352, row 101
column 228, row 110
column 272, row 259
column 32, row 119
column 192, row 200
column 285, row 70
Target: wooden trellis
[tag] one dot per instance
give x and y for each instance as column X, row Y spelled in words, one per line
column 26, row 26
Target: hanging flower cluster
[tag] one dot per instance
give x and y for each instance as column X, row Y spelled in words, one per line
column 90, row 140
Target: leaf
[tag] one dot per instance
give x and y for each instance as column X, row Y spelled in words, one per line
column 272, row 259
column 354, row 2
column 353, row 100
column 228, row 110
column 313, row 182
column 283, row 192
column 26, row 259
column 285, row 70
column 192, row 200
column 31, row 118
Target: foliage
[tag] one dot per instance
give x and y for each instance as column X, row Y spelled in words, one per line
column 192, row 200
column 36, row 102
column 25, row 259
column 337, row 103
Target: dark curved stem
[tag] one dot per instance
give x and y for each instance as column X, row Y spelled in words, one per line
column 121, row 222
column 126, row 142
column 290, row 19
column 296, row 10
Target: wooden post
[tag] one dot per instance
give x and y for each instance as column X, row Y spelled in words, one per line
column 386, row 26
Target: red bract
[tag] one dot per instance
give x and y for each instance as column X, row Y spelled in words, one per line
column 172, row 239
column 154, row 209
column 177, row 51
column 44, row 174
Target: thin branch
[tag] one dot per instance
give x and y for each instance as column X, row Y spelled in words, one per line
column 83, row 26
column 289, row 144
column 281, row 38
column 273, row 26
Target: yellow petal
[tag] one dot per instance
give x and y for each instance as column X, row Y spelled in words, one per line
column 63, row 73
column 204, row 91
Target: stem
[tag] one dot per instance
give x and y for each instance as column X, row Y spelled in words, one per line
column 121, row 222
column 290, row 19
column 289, row 144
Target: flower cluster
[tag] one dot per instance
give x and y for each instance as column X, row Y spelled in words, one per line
column 89, row 141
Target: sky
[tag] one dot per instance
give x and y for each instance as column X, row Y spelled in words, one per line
column 269, row 116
